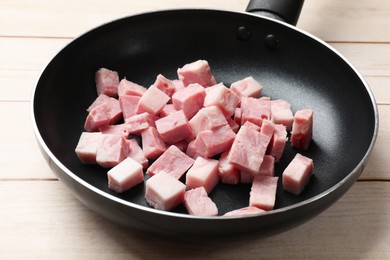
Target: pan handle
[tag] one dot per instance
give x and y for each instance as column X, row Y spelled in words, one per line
column 283, row 10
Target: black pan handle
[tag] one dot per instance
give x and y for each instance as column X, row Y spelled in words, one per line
column 283, row 10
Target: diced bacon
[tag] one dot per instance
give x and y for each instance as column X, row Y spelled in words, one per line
column 119, row 129
column 297, row 174
column 248, row 150
column 255, row 109
column 173, row 128
column 278, row 142
column 267, row 167
column 192, row 150
column 167, row 110
column 173, row 161
column 203, row 173
column 178, row 84
column 87, row 147
column 263, row 192
column 228, row 173
column 245, row 211
column 281, row 113
column 198, row 203
column 219, row 95
column 165, row 85
column 251, row 125
column 189, row 99
column 152, row 101
column 196, row 72
column 208, row 118
column 209, row 143
column 125, row 175
column 302, row 129
column 164, row 192
column 137, row 123
column 152, row 144
column 99, row 100
column 97, row 117
column 267, row 128
column 136, row 153
column 247, row 87
column 107, row 82
column 128, row 105
column 112, row 151
column 129, row 88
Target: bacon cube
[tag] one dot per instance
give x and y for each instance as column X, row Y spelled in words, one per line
column 152, row 101
column 302, row 129
column 173, row 128
column 152, row 144
column 228, row 173
column 165, row 85
column 107, row 82
column 137, row 123
column 208, row 118
column 125, row 175
column 255, row 109
column 189, row 99
column 281, row 113
column 203, row 173
column 219, row 95
column 263, row 192
column 109, row 112
column 112, row 151
column 87, row 147
column 129, row 88
column 128, row 105
column 196, row 72
column 198, row 203
column 278, row 142
column 99, row 100
column 247, row 87
column 136, row 153
column 267, row 167
column 297, row 174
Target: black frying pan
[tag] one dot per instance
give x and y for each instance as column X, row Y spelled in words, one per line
column 291, row 65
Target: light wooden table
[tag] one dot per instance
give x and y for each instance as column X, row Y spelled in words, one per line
column 39, row 218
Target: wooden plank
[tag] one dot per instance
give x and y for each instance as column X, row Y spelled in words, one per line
column 43, row 220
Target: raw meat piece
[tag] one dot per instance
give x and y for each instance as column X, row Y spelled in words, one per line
column 248, row 150
column 137, row 123
column 267, row 167
column 173, row 161
column 203, row 173
column 247, row 87
column 192, row 150
column 128, row 105
column 297, row 174
column 245, row 211
column 167, row 110
column 173, row 128
column 99, row 100
column 198, row 203
column 165, row 85
column 281, row 113
column 219, row 95
column 302, row 129
column 178, row 84
column 126, row 87
column 278, row 142
column 87, row 146
column 164, row 192
column 107, row 82
column 228, row 173
column 125, row 175
column 152, row 101
column 97, row 117
column 152, row 144
column 263, row 192
column 112, row 151
column 189, row 99
column 196, row 72
column 136, row 153
column 208, row 118
column 255, row 109
column 267, row 128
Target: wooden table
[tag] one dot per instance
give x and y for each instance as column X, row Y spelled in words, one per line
column 39, row 218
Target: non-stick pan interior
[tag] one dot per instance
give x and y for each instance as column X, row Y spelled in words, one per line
column 299, row 69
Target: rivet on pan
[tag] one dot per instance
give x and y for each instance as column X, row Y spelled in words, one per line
column 243, row 33
column 272, row 41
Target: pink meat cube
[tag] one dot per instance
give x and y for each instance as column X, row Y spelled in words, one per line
column 173, row 161
column 278, row 142
column 228, row 173
column 198, row 203
column 208, row 118
column 302, row 129
column 245, row 211
column 281, row 113
column 164, row 192
column 119, row 129
column 87, row 146
column 107, row 82
column 152, row 101
column 192, row 150
column 196, row 72
column 136, row 153
column 178, row 84
column 97, row 117
column 189, row 99
column 268, row 129
column 263, row 192
column 165, row 85
column 137, row 123
column 125, row 175
column 209, row 143
column 248, row 150
column 129, row 88
column 152, row 144
column 247, row 87
column 219, row 95
column 173, row 128
column 267, row 167
column 203, row 173
column 255, row 109
column 128, row 105
column 297, row 174
column 167, row 110
column 112, row 150
column 251, row 125
column 99, row 100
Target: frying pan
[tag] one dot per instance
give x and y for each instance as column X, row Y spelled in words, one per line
column 289, row 63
